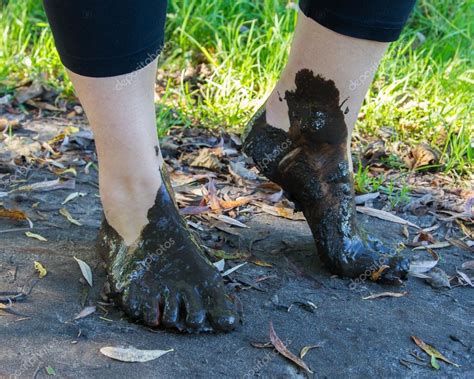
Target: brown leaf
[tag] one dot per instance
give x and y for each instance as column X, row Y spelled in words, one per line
column 378, row 213
column 421, row 155
column 207, row 158
column 385, row 294
column 13, row 214
column 376, row 275
column 257, row 261
column 281, row 212
column 281, row 348
column 431, row 351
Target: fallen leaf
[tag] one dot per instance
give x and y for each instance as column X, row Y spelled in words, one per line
column 281, row 348
column 86, row 270
column 240, row 169
column 438, row 245
column 13, row 214
column 257, row 261
column 50, row 371
column 468, row 265
column 305, row 350
column 231, row 270
column 64, row 212
column 73, row 196
column 132, row 354
column 41, row 270
column 385, row 294
column 220, row 265
column 376, row 275
column 422, row 266
column 421, row 155
column 465, row 278
column 49, row 185
column 437, row 278
column 284, row 212
column 36, row 236
column 383, row 215
column 85, row 312
column 229, row 220
column 361, row 199
column 461, row 244
column 431, row 351
column 207, row 159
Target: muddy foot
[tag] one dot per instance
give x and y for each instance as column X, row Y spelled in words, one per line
column 164, row 279
column 310, row 162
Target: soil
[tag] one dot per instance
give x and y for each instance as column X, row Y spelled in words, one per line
column 308, row 306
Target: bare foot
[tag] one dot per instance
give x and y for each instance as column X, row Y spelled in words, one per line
column 164, row 279
column 310, row 162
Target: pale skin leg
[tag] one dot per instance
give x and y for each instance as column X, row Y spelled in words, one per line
column 121, row 113
column 350, row 62
column 159, row 272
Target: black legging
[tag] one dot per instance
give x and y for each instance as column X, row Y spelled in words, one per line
column 101, row 38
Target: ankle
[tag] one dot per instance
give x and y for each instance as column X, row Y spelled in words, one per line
column 126, row 201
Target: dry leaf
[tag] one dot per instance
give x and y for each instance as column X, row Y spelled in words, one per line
column 229, row 220
column 73, row 196
column 422, row 266
column 461, row 244
column 240, row 169
column 64, row 212
column 305, row 350
column 376, row 275
column 207, row 159
column 385, row 294
column 385, row 216
column 85, row 312
column 36, row 236
column 41, row 270
column 231, row 270
column 13, row 214
column 86, row 270
column 468, row 265
column 361, row 199
column 132, row 354
column 431, row 351
column 281, row 212
column 257, row 261
column 49, row 185
column 281, row 348
column 465, row 278
column 421, row 155
column 437, row 278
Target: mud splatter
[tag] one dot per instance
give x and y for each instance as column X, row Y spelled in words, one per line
column 314, row 171
column 164, row 278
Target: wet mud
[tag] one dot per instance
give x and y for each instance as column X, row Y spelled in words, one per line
column 310, row 163
column 164, row 278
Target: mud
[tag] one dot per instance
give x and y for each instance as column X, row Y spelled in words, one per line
column 313, row 169
column 164, row 278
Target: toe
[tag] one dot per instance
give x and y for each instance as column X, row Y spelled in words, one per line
column 222, row 313
column 171, row 311
column 195, row 313
column 151, row 312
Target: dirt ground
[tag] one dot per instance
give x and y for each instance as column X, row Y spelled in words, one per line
column 356, row 338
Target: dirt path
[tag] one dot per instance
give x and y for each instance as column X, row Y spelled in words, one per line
column 356, row 337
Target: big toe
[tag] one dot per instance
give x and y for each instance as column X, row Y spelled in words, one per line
column 222, row 312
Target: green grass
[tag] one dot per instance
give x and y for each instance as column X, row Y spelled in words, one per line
column 422, row 91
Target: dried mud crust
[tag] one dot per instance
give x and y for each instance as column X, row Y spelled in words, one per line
column 310, row 163
column 164, row 278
